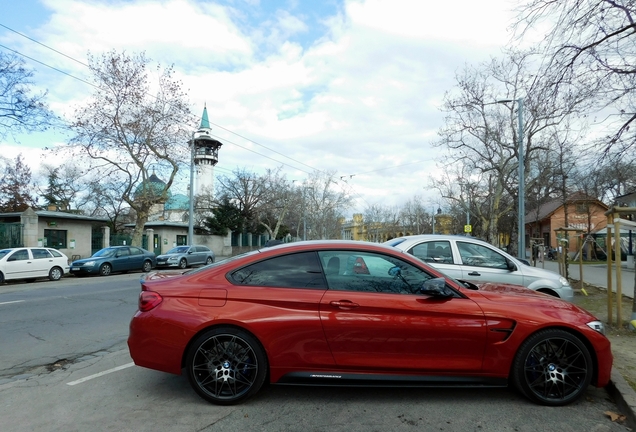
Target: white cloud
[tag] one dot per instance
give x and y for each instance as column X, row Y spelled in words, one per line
column 363, row 99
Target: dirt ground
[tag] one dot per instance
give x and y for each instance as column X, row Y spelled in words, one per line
column 623, row 340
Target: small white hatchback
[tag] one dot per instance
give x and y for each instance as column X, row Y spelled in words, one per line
column 32, row 263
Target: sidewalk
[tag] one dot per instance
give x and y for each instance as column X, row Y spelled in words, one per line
column 596, row 274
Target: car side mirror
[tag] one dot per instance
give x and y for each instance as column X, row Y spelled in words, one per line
column 436, row 288
column 511, row 266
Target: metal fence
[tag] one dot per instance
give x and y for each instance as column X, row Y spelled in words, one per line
column 11, row 235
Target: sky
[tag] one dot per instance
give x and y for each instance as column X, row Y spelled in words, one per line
column 352, row 87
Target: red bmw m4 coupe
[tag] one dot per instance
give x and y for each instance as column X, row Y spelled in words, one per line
column 344, row 313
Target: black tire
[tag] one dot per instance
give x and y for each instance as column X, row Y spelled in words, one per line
column 226, row 365
column 183, row 263
column 552, row 367
column 147, row 266
column 55, row 274
column 105, row 269
column 209, row 261
column 1, row 278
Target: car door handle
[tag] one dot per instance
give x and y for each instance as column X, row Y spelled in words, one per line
column 344, row 304
column 474, row 273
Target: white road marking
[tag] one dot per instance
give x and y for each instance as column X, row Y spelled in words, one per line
column 15, row 301
column 97, row 375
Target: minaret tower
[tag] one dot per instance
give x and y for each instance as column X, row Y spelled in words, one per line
column 206, row 156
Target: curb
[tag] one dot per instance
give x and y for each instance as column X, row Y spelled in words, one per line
column 624, row 396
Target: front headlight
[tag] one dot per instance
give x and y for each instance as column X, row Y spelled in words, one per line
column 89, row 263
column 172, row 259
column 597, row 326
column 564, row 281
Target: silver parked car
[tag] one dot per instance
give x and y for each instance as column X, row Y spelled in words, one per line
column 475, row 260
column 186, row 256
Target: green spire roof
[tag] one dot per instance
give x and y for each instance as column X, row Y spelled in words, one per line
column 205, row 123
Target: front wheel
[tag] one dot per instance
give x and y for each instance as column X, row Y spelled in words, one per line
column 183, row 263
column 553, row 367
column 105, row 269
column 209, row 261
column 146, row 267
column 226, row 366
column 55, row 274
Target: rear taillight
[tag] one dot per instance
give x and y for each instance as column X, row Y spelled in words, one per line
column 149, row 300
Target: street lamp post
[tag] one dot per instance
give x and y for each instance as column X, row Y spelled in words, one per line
column 521, row 236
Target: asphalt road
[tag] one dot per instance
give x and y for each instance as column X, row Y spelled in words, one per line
column 84, row 323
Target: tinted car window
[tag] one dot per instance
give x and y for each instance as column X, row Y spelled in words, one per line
column 355, row 271
column 40, row 253
column 19, row 255
column 434, row 252
column 122, row 252
column 481, row 256
column 136, row 251
column 55, row 253
column 301, row 270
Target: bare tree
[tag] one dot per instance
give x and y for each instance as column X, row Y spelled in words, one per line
column 279, row 198
column 325, row 203
column 246, row 191
column 134, row 124
column 591, row 44
column 20, row 109
column 482, row 140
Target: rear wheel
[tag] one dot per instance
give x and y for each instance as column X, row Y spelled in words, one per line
column 105, row 269
column 55, row 273
column 553, row 367
column 226, row 366
column 147, row 266
column 183, row 263
column 1, row 278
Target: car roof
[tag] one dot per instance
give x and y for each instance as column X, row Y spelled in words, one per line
column 438, row 237
column 326, row 245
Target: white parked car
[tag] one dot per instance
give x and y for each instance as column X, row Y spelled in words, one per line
column 32, row 263
column 477, row 261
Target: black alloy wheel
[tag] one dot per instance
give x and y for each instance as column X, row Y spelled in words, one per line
column 553, row 367
column 226, row 366
column 105, row 269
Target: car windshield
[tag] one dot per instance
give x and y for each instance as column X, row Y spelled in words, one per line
column 108, row 252
column 395, row 241
column 4, row 252
column 178, row 250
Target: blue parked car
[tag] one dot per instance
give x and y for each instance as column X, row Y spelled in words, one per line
column 115, row 259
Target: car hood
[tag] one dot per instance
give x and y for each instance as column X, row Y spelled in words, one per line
column 169, row 255
column 85, row 260
column 512, row 295
column 491, row 287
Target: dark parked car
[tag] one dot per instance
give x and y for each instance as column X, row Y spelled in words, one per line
column 115, row 259
column 354, row 313
column 186, row 256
